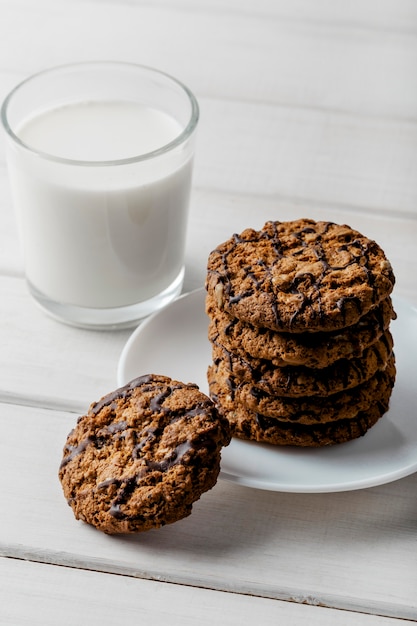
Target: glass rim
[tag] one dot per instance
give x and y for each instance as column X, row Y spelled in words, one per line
column 177, row 141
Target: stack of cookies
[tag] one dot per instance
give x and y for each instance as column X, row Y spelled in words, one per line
column 299, row 325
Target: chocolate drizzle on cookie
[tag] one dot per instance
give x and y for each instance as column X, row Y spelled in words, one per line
column 283, row 276
column 143, row 454
column 126, row 486
column 301, row 381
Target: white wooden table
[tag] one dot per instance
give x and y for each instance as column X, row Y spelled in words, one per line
column 308, row 109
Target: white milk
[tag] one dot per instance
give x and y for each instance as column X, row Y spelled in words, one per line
column 95, row 235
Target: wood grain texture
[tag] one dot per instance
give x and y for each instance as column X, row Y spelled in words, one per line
column 68, row 597
column 358, row 59
column 294, row 547
column 46, row 363
column 315, row 109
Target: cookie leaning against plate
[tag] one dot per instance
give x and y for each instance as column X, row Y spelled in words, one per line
column 299, row 275
column 143, row 455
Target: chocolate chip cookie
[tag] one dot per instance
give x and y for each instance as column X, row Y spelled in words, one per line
column 294, row 381
column 262, row 429
column 255, row 426
column 299, row 275
column 143, row 455
column 315, row 350
column 229, row 392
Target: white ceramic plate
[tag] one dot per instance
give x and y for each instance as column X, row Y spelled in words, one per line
column 174, row 343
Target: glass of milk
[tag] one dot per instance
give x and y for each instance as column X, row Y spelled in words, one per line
column 100, row 163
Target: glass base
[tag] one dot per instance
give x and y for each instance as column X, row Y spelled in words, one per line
column 107, row 319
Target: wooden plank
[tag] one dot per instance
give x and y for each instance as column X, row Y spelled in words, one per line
column 57, row 595
column 307, row 156
column 392, row 15
column 59, row 366
column 10, row 249
column 355, row 59
column 353, row 551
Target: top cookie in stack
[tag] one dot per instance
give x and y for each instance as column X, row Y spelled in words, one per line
column 299, row 324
